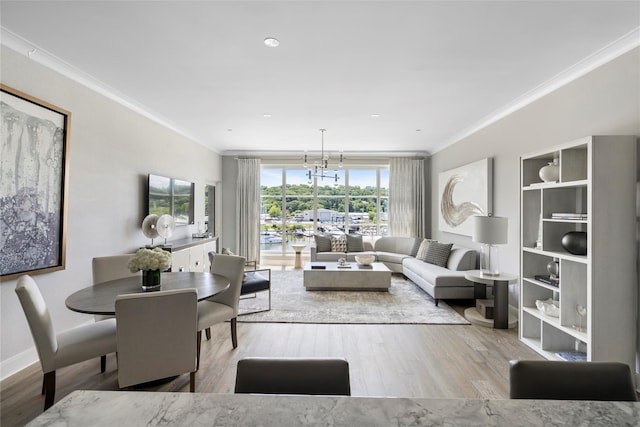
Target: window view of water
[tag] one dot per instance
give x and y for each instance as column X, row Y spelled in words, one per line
column 293, row 209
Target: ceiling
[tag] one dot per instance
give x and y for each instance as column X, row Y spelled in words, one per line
column 432, row 71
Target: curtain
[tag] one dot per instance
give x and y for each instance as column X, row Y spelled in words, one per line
column 407, row 197
column 248, row 209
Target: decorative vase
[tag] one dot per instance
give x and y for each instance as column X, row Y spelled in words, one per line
column 575, row 242
column 151, row 280
column 550, row 173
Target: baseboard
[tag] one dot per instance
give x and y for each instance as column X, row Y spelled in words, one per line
column 18, row 362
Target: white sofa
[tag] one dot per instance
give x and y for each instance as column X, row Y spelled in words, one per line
column 399, row 255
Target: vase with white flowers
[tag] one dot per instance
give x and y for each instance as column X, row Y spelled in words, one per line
column 151, row 262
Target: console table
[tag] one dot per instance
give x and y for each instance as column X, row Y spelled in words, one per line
column 138, row 408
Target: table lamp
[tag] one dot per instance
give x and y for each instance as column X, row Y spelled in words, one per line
column 489, row 231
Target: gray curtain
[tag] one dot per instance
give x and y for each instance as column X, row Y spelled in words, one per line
column 407, row 197
column 248, row 209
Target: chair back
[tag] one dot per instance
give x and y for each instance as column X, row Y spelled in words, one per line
column 550, row 379
column 231, row 267
column 39, row 320
column 317, row 376
column 106, row 268
column 156, row 334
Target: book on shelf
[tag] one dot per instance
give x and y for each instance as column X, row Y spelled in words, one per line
column 572, row 356
column 547, row 279
column 568, row 215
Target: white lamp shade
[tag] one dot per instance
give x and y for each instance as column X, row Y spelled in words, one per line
column 490, row 229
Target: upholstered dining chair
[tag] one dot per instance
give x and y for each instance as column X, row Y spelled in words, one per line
column 224, row 306
column 554, row 379
column 254, row 280
column 156, row 334
column 112, row 267
column 67, row 348
column 316, row 376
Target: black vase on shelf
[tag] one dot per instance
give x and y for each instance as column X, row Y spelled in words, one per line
column 575, row 242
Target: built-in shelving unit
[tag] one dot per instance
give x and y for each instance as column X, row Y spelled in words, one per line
column 597, row 177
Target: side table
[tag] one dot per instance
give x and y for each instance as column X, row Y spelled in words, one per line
column 500, row 295
column 298, row 250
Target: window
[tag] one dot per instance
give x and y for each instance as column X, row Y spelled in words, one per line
column 292, row 209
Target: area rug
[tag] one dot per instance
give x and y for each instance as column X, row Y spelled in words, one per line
column 405, row 303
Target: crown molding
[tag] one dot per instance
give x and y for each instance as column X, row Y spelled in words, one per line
column 597, row 59
column 49, row 60
column 299, row 155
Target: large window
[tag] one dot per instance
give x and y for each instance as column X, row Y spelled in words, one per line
column 293, row 208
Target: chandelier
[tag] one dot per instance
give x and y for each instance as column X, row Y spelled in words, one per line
column 320, row 169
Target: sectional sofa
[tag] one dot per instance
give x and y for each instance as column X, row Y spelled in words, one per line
column 439, row 270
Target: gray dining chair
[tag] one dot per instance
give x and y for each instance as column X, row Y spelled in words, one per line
column 314, row 376
column 553, row 379
column 156, row 334
column 106, row 268
column 224, row 306
column 67, row 348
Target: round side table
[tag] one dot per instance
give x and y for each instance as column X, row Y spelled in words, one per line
column 298, row 249
column 500, row 284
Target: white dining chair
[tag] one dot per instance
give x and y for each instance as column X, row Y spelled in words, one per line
column 112, row 267
column 156, row 336
column 224, row 306
column 67, row 348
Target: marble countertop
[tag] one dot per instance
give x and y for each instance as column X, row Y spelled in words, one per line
column 133, row 408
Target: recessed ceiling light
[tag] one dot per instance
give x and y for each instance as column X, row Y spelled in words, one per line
column 271, row 42
column 266, row 115
column 375, row 116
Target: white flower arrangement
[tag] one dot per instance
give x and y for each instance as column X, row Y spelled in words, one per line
column 150, row 259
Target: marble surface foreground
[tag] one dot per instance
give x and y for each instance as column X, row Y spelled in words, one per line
column 132, row 408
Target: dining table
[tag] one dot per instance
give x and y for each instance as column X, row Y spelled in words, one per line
column 101, row 297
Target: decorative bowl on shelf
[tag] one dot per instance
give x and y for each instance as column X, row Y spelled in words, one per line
column 365, row 260
column 548, row 307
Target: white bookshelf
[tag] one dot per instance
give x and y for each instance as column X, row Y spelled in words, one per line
column 597, row 177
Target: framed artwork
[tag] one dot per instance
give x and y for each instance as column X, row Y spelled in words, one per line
column 34, row 167
column 464, row 192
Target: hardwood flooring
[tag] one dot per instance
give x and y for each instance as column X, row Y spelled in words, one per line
column 385, row 360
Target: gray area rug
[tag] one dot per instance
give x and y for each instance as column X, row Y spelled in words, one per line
column 405, row 303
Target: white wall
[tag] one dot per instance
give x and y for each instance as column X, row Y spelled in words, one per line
column 603, row 102
column 112, row 149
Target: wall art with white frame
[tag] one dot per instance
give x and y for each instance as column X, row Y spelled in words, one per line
column 463, row 193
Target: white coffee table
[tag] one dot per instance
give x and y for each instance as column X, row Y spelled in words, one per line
column 376, row 277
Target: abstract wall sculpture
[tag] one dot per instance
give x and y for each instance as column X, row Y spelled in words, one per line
column 464, row 192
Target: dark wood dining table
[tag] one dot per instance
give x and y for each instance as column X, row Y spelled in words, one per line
column 101, row 298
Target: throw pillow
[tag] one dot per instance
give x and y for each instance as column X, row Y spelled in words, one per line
column 354, row 243
column 323, row 243
column 338, row 244
column 438, row 253
column 422, row 250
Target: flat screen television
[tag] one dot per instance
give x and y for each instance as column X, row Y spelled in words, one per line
column 171, row 196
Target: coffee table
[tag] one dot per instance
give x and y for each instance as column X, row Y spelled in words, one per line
column 376, row 277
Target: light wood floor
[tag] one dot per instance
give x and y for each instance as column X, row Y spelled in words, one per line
column 385, row 360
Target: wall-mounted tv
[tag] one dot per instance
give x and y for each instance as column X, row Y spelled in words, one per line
column 171, row 196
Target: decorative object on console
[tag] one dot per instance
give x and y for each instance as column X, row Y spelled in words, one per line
column 470, row 186
column 490, row 231
column 550, row 172
column 149, row 228
column 165, row 226
column 364, row 260
column 151, row 262
column 320, row 168
column 575, row 242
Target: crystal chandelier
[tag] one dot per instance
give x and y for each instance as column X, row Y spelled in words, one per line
column 320, row 169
